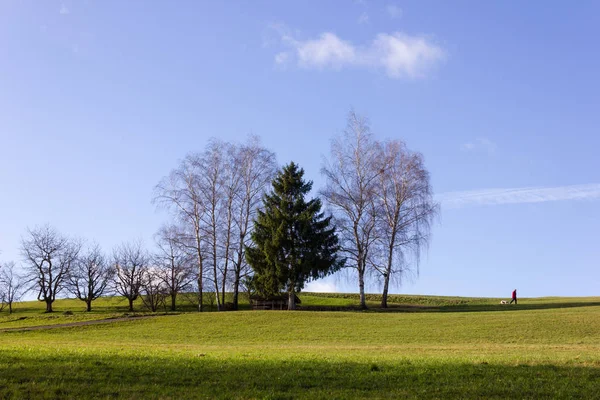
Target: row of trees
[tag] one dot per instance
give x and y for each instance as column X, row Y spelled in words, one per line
column 56, row 265
column 238, row 223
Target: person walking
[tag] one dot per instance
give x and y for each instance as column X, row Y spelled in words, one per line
column 514, row 296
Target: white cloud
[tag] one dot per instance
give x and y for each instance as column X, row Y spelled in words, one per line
column 363, row 19
column 404, row 55
column 63, row 9
column 393, row 11
column 398, row 54
column 518, row 195
column 321, row 286
column 327, row 51
column 480, row 144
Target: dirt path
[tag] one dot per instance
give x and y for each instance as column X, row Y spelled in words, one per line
column 70, row 324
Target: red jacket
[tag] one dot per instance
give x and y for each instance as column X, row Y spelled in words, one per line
column 514, row 295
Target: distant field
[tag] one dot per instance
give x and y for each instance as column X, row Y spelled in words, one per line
column 445, row 347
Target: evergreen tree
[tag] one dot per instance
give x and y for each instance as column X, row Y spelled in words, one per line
column 293, row 242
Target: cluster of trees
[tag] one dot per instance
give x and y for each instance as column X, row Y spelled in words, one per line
column 238, row 223
column 213, row 197
column 382, row 202
column 56, row 265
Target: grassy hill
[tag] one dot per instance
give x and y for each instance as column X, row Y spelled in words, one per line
column 541, row 348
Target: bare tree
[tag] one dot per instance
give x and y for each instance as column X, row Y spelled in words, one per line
column 130, row 262
column 90, row 276
column 180, row 192
column 174, row 262
column 231, row 186
column 257, row 167
column 212, row 167
column 153, row 289
column 49, row 257
column 406, row 210
column 12, row 286
column 214, row 195
column 351, row 183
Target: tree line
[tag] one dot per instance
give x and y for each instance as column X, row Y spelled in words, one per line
column 240, row 223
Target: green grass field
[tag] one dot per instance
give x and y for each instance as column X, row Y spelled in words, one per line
column 424, row 347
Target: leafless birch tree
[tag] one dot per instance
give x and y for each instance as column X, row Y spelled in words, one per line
column 214, row 195
column 49, row 257
column 406, row 210
column 90, row 276
column 212, row 180
column 257, row 167
column 382, row 203
column 231, row 187
column 180, row 193
column 351, row 175
column 130, row 262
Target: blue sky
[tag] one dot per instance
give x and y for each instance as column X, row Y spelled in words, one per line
column 100, row 99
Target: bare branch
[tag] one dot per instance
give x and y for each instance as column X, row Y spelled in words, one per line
column 130, row 262
column 49, row 257
column 90, row 276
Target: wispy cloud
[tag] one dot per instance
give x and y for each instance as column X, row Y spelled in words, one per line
column 480, row 144
column 63, row 9
column 393, row 11
column 363, row 19
column 518, row 195
column 398, row 54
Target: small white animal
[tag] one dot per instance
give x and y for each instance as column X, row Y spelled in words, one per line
column 503, row 302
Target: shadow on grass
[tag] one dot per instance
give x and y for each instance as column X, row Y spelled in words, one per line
column 27, row 375
column 455, row 308
column 102, row 309
column 515, row 307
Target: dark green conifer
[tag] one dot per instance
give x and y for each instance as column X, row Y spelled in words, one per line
column 293, row 242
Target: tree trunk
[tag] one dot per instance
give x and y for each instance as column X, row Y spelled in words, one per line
column 236, row 291
column 215, row 275
column 10, row 308
column 361, row 286
column 89, row 305
column 130, row 305
column 218, row 298
column 223, row 285
column 388, row 273
column 48, row 306
column 227, row 245
column 237, row 270
column 200, row 271
column 173, row 304
column 200, row 299
column 384, row 295
column 291, row 300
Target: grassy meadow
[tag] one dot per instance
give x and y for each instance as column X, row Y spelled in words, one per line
column 423, row 347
